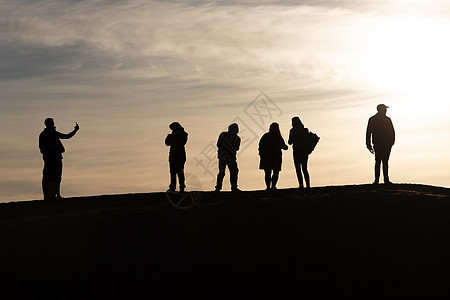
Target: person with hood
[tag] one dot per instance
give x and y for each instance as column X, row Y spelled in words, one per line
column 177, row 155
column 52, row 149
column 270, row 146
column 228, row 144
column 380, row 132
column 298, row 139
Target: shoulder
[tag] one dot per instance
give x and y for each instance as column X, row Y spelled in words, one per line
column 374, row 118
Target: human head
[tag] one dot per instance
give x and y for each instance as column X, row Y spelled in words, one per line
column 49, row 123
column 274, row 128
column 176, row 126
column 233, row 128
column 382, row 109
column 297, row 123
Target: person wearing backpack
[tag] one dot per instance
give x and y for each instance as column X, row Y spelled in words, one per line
column 299, row 139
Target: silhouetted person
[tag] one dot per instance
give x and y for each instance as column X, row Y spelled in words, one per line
column 177, row 155
column 52, row 150
column 298, row 139
column 380, row 132
column 228, row 144
column 270, row 146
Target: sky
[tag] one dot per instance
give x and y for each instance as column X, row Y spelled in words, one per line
column 124, row 70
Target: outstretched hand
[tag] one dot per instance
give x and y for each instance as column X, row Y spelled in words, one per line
column 76, row 126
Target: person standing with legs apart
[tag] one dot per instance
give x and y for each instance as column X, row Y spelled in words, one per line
column 380, row 132
column 227, row 146
column 52, row 149
column 270, row 146
column 298, row 138
column 177, row 155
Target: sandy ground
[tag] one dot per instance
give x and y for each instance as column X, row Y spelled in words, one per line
column 325, row 243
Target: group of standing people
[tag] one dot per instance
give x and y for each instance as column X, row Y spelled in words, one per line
column 270, row 152
column 380, row 137
column 270, row 148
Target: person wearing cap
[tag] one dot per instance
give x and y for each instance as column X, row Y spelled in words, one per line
column 52, row 150
column 381, row 134
column 177, row 155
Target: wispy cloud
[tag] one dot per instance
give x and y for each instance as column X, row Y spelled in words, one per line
column 125, row 69
column 197, row 39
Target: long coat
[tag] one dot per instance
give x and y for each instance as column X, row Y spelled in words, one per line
column 270, row 154
column 177, row 154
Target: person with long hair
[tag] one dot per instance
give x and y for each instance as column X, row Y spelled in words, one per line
column 298, row 140
column 270, row 146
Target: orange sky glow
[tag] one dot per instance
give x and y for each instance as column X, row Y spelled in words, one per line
column 125, row 70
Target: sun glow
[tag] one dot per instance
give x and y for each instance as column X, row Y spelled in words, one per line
column 411, row 57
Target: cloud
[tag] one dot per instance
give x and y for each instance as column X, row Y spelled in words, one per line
column 125, row 69
column 172, row 38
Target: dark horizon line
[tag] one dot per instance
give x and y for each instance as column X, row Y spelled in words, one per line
column 291, row 189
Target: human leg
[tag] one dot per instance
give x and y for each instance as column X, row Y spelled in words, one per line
column 51, row 178
column 378, row 156
column 385, row 161
column 304, row 164
column 59, row 168
column 181, row 180
column 267, row 177
column 46, row 182
column 298, row 170
column 173, row 176
column 275, row 176
column 221, row 174
column 234, row 171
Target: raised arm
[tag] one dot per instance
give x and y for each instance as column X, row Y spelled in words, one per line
column 70, row 134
